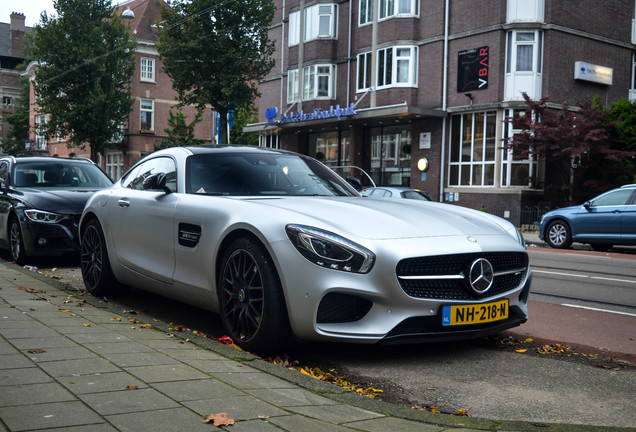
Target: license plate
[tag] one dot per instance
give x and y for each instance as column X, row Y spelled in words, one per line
column 474, row 314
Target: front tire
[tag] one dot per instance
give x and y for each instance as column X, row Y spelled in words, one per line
column 558, row 235
column 96, row 272
column 18, row 254
column 251, row 299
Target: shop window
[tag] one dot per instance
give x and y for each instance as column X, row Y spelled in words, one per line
column 473, row 145
column 294, row 28
column 517, row 169
column 147, row 70
column 366, row 12
column 147, row 118
column 321, row 21
column 115, row 164
column 391, row 155
column 318, row 81
column 390, row 8
column 364, row 71
column 397, row 67
column 330, row 148
column 292, row 86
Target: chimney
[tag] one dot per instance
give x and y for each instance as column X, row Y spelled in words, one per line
column 17, row 31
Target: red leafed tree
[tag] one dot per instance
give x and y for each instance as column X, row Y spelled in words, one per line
column 582, row 155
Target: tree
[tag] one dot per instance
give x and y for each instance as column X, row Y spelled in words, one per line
column 241, row 119
column 18, row 121
column 180, row 133
column 85, row 59
column 215, row 52
column 623, row 114
column 579, row 146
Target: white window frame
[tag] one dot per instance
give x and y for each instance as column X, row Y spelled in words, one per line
column 365, row 15
column 315, row 18
column 514, row 44
column 294, row 29
column 474, row 144
column 292, row 86
column 145, row 109
column 632, row 89
column 313, row 75
column 364, row 77
column 147, row 69
column 508, row 160
column 398, row 8
column 40, row 137
column 7, row 101
column 115, row 164
column 386, row 78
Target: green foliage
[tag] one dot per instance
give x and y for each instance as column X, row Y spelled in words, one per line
column 215, row 52
column 86, row 60
column 583, row 147
column 18, row 121
column 241, row 119
column 180, row 133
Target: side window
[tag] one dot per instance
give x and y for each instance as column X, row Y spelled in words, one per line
column 4, row 170
column 165, row 165
column 615, row 198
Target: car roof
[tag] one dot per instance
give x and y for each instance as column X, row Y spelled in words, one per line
column 207, row 149
column 40, row 159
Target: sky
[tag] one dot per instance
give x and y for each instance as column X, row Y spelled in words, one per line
column 30, row 8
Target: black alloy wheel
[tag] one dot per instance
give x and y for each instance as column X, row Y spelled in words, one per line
column 96, row 272
column 18, row 254
column 251, row 299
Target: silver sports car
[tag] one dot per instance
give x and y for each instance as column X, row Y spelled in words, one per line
column 281, row 246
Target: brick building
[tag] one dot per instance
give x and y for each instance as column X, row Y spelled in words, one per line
column 153, row 100
column 384, row 84
column 11, row 55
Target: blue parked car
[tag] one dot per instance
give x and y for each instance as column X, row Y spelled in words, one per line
column 604, row 221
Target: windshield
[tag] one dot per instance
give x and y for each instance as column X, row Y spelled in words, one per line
column 63, row 175
column 262, row 175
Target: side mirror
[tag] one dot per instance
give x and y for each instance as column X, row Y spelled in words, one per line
column 355, row 183
column 587, row 205
column 156, row 182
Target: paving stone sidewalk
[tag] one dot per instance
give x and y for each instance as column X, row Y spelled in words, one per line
column 70, row 362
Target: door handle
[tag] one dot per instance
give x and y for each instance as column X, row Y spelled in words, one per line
column 123, row 202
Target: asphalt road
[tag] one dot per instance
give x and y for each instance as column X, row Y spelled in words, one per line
column 567, row 373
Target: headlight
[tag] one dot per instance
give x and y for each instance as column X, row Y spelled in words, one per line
column 520, row 238
column 330, row 250
column 43, row 216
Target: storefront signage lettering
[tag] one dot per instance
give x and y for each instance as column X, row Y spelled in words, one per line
column 472, row 71
column 316, row 114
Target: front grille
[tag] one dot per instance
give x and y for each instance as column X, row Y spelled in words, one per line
column 509, row 267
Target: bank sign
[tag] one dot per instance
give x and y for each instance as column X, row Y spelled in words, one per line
column 301, row 116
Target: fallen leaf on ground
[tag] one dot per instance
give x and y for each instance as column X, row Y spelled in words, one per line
column 226, row 340
column 220, row 419
column 462, row 412
column 36, row 351
column 132, row 387
column 521, row 350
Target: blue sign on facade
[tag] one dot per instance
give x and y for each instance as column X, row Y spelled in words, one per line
column 301, row 116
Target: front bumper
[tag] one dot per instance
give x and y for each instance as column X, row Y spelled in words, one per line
column 50, row 239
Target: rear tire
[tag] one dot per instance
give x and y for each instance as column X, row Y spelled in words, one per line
column 558, row 235
column 251, row 301
column 96, row 272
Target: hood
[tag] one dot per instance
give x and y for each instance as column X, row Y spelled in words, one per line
column 389, row 219
column 57, row 200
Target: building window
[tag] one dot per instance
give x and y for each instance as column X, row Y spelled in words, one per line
column 147, row 69
column 40, row 137
column 473, row 149
column 397, row 67
column 525, row 11
column 366, row 12
column 330, row 148
column 632, row 89
column 517, row 169
column 364, row 71
column 292, row 86
column 7, row 101
column 318, row 81
column 391, row 155
column 321, row 21
column 115, row 164
column 294, row 28
column 524, row 59
column 147, row 118
column 389, row 8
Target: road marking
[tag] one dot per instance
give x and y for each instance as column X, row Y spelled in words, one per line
column 585, row 276
column 597, row 309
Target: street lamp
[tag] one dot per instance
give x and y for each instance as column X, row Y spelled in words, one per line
column 128, row 14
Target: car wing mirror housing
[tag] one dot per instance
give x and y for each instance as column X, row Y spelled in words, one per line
column 356, row 183
column 156, row 182
column 587, row 205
